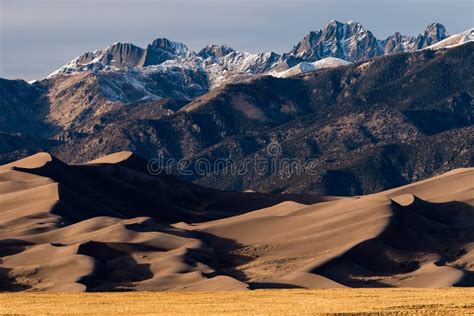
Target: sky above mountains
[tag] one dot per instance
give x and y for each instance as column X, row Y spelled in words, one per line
column 39, row 36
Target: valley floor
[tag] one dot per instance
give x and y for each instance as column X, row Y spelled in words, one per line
column 427, row 301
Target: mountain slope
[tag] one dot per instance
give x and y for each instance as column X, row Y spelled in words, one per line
column 101, row 81
column 23, row 107
column 344, row 118
column 384, row 111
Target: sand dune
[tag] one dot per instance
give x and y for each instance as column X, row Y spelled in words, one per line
column 108, row 225
column 393, row 238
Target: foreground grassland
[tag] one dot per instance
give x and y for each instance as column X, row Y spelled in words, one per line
column 442, row 301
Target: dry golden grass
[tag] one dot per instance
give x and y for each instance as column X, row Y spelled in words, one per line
column 442, row 301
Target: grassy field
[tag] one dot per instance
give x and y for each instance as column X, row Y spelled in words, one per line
column 442, row 301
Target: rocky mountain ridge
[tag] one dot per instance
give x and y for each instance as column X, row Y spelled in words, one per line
column 348, row 41
column 125, row 73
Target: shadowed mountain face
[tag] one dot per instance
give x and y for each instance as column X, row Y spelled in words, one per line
column 366, row 127
column 109, row 226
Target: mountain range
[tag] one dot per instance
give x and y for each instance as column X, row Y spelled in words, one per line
column 372, row 114
column 217, row 64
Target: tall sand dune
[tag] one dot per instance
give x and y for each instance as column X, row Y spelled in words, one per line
column 108, row 225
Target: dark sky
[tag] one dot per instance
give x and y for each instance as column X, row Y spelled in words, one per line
column 38, row 36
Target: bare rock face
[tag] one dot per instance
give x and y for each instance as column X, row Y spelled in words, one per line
column 348, row 41
column 397, row 43
column 118, row 55
column 434, row 33
column 123, row 55
column 216, row 51
column 162, row 49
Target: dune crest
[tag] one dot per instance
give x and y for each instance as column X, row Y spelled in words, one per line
column 36, row 161
column 113, row 158
column 108, row 225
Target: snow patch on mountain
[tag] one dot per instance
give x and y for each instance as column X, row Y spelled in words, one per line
column 454, row 40
column 304, row 67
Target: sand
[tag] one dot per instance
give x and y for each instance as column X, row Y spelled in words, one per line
column 109, row 226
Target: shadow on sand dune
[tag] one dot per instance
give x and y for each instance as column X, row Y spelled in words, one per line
column 126, row 190
column 223, row 256
column 418, row 234
column 8, row 282
column 115, row 268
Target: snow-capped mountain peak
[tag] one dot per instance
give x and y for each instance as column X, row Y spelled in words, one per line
column 454, row 40
column 349, row 41
column 436, row 30
column 170, row 69
column 174, row 48
column 162, row 49
column 433, row 33
column 217, row 51
column 126, row 55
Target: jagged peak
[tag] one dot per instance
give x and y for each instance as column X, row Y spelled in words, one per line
column 350, row 23
column 214, row 46
column 355, row 24
column 122, row 44
column 213, row 50
column 433, row 33
column 349, row 40
column 435, row 25
column 176, row 48
column 335, row 25
column 436, row 29
column 334, row 22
